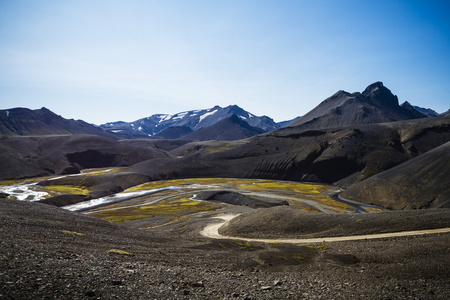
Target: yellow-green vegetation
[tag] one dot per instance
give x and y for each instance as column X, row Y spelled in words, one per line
column 244, row 244
column 8, row 182
column 297, row 187
column 309, row 191
column 323, row 247
column 221, row 148
column 68, row 189
column 312, row 248
column 222, row 246
column 332, row 204
column 183, row 229
column 72, row 232
column 370, row 209
column 273, row 243
column 304, row 207
column 175, row 208
column 225, row 146
column 299, row 256
column 190, row 181
column 305, row 254
column 121, row 252
column 100, row 171
column 248, row 246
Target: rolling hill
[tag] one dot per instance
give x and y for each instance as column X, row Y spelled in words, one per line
column 26, row 156
column 422, row 182
column 24, row 121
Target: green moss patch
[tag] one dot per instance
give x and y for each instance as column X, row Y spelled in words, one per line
column 68, row 189
column 174, row 208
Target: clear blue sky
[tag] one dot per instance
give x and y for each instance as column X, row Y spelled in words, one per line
column 111, row 60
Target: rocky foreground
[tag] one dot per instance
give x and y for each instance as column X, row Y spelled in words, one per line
column 49, row 253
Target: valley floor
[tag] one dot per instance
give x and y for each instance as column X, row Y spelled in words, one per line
column 50, row 253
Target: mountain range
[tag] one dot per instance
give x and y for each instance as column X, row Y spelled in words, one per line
column 376, row 104
column 194, row 119
column 365, row 143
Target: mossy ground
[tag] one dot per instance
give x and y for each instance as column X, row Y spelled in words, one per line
column 67, row 189
column 220, row 182
column 176, row 201
column 174, row 208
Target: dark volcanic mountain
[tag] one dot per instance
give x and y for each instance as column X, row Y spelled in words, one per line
column 286, row 123
column 229, row 129
column 30, row 156
column 343, row 156
column 194, row 119
column 413, row 111
column 422, row 182
column 445, row 114
column 375, row 105
column 427, row 112
column 24, row 121
column 173, row 133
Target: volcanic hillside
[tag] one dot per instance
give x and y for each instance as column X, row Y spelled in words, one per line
column 173, row 133
column 22, row 157
column 418, row 183
column 342, row 156
column 229, row 129
column 24, row 121
column 375, row 105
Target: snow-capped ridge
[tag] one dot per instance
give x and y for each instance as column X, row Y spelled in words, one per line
column 193, row 119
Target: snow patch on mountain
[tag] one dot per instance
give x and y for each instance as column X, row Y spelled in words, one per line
column 202, row 117
column 194, row 119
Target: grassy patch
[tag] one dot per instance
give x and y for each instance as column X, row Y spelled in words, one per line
column 121, row 252
column 180, row 182
column 374, row 209
column 323, row 247
column 68, row 189
column 225, row 147
column 244, row 244
column 100, row 171
column 174, row 208
column 296, row 187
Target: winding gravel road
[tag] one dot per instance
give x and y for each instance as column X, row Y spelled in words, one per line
column 212, row 231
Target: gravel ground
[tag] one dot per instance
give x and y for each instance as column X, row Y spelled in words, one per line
column 44, row 256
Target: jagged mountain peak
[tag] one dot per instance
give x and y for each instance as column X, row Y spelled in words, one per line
column 375, row 104
column 373, row 88
column 407, row 106
column 379, row 94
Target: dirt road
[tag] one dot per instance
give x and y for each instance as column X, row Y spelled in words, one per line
column 212, row 231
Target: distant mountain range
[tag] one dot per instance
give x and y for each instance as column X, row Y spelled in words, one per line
column 351, row 140
column 376, row 104
column 194, row 119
